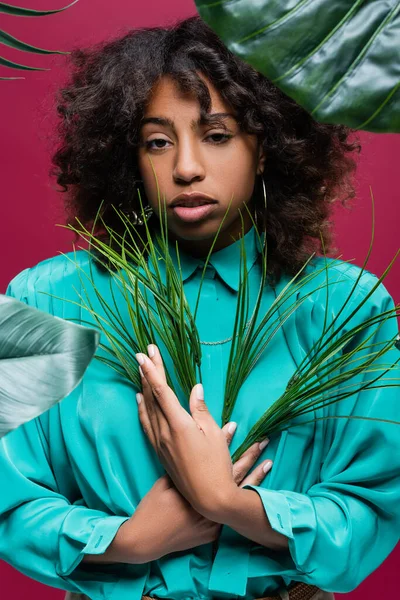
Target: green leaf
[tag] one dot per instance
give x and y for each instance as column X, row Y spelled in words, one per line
column 13, row 42
column 42, row 359
column 18, row 11
column 326, row 375
column 338, row 60
column 13, row 65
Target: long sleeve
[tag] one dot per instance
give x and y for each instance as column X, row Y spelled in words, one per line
column 334, row 489
column 347, row 523
column 43, row 533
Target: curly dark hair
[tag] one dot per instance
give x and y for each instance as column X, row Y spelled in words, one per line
column 309, row 165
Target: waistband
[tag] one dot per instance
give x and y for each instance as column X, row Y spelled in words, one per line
column 299, row 591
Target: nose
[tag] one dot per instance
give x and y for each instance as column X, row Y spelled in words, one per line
column 189, row 164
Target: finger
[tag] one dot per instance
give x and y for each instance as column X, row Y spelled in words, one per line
column 155, row 357
column 151, row 405
column 242, row 466
column 144, row 419
column 162, row 393
column 258, row 474
column 199, row 410
column 229, row 431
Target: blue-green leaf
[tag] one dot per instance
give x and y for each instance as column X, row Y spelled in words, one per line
column 42, row 359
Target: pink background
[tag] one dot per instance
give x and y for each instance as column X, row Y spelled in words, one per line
column 31, row 206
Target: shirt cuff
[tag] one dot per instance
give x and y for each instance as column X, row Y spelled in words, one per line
column 293, row 515
column 85, row 531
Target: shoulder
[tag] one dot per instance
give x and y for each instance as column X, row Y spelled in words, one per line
column 343, row 278
column 57, row 275
column 343, row 269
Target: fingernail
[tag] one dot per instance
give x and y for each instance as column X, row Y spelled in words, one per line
column 139, row 397
column 232, row 426
column 151, row 350
column 139, row 358
column 267, row 466
column 141, row 372
column 199, row 391
column 263, row 443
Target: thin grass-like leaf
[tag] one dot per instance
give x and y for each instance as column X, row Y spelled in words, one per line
column 13, row 42
column 157, row 306
column 19, row 11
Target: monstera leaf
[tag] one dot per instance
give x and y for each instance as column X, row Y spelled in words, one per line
column 12, row 42
column 42, row 359
column 339, row 59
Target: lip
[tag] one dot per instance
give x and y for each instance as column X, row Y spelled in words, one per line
column 192, row 199
column 192, row 214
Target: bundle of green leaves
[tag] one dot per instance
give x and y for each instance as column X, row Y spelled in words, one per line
column 158, row 309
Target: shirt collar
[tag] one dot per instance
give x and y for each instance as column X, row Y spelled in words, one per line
column 226, row 261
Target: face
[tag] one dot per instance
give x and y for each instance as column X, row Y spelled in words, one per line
column 215, row 159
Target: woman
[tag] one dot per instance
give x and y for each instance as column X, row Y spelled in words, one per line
column 109, row 499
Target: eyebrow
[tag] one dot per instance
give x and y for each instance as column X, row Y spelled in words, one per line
column 207, row 119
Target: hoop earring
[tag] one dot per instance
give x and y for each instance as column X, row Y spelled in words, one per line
column 265, row 192
column 265, row 205
column 133, row 216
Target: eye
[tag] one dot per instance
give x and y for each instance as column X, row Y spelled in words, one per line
column 222, row 138
column 150, row 142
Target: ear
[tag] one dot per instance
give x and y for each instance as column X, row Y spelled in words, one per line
column 261, row 159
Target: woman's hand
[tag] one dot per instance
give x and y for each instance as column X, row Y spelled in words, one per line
column 192, row 448
column 165, row 522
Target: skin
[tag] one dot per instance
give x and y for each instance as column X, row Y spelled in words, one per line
column 193, row 450
column 201, row 160
column 165, row 522
column 192, row 447
column 202, row 489
column 193, row 160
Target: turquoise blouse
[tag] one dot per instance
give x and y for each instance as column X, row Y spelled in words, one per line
column 72, row 476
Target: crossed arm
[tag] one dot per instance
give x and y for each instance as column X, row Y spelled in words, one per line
column 194, row 452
